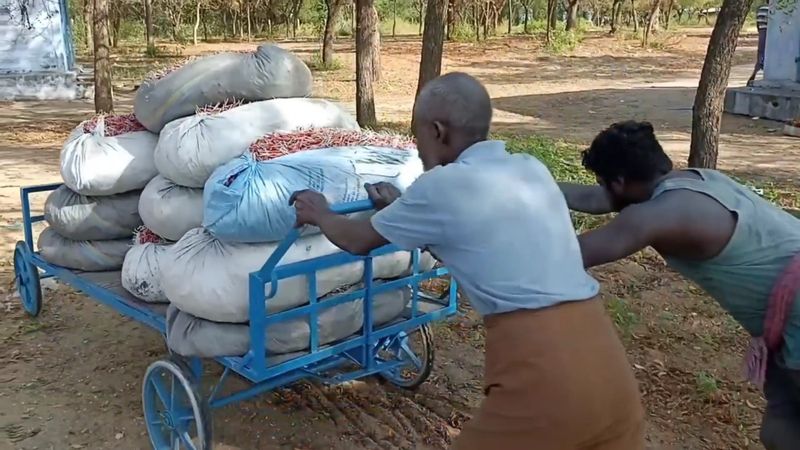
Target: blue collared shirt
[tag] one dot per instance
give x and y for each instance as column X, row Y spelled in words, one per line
column 500, row 223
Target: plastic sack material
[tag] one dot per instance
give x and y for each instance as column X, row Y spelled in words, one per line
column 208, row 278
column 269, row 72
column 97, row 163
column 190, row 148
column 83, row 218
column 170, row 210
column 248, row 201
column 89, row 256
column 141, row 272
column 190, row 336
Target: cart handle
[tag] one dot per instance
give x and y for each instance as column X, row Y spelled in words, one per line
column 268, row 269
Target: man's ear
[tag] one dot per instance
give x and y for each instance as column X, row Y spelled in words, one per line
column 617, row 183
column 440, row 131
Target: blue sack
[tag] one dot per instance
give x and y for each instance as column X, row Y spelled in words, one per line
column 248, row 201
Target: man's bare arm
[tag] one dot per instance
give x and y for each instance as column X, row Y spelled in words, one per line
column 586, row 199
column 351, row 235
column 633, row 229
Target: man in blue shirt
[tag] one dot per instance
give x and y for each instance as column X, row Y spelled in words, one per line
column 556, row 375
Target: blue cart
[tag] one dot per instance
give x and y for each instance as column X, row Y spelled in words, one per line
column 176, row 414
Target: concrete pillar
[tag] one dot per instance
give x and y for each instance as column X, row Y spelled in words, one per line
column 782, row 53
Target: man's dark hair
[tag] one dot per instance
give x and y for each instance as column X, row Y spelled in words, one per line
column 627, row 150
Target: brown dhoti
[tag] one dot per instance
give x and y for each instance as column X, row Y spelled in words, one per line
column 556, row 379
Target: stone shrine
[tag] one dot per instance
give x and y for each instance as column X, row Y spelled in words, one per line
column 777, row 95
column 37, row 59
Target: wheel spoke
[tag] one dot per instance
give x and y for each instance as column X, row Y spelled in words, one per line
column 172, row 395
column 187, row 441
column 405, row 349
column 161, row 391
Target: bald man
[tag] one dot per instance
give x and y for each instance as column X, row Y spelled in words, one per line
column 556, row 374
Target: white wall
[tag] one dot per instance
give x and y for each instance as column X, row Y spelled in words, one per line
column 783, row 44
column 35, row 43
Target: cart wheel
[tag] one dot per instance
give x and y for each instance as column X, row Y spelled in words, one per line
column 26, row 276
column 175, row 414
column 419, row 360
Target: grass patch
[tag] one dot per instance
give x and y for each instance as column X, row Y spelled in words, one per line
column 707, row 385
column 623, row 316
column 317, row 65
column 562, row 42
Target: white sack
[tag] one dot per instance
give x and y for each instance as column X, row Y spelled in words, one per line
column 191, row 336
column 169, row 210
column 89, row 256
column 84, row 218
column 268, row 72
column 96, row 164
column 190, row 148
column 208, row 278
column 141, row 272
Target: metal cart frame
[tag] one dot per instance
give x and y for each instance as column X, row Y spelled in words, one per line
column 176, row 414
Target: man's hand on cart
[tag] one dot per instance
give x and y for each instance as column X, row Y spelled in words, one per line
column 382, row 194
column 310, row 206
column 356, row 236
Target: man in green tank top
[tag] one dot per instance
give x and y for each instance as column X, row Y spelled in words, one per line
column 738, row 247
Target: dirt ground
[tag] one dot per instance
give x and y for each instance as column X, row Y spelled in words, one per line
column 72, row 377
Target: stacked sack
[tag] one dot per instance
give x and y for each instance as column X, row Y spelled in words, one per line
column 203, row 172
column 247, row 211
column 206, row 112
column 105, row 163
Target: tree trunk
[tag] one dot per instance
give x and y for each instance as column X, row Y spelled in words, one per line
column 103, row 95
column 476, row 20
column 525, row 27
column 668, row 13
column 651, row 22
column 551, row 14
column 485, row 20
column 196, row 22
column 421, row 10
column 452, row 19
column 510, row 15
column 376, row 46
column 148, row 27
column 249, row 25
column 572, row 15
column 430, row 65
column 87, row 19
column 329, row 36
column 294, row 23
column 707, row 111
column 116, row 24
column 635, row 19
column 365, row 28
column 616, row 9
column 394, row 19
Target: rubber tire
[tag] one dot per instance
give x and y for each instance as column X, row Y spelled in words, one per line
column 200, row 407
column 28, row 282
column 429, row 354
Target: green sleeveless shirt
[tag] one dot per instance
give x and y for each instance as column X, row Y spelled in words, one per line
column 740, row 277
